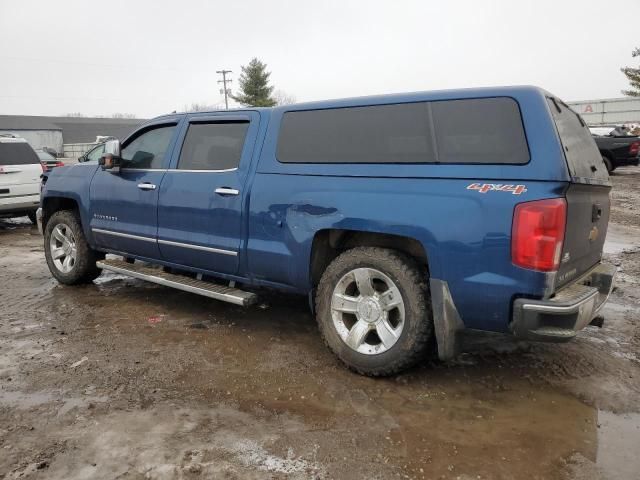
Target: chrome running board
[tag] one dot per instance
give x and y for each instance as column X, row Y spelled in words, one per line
column 180, row 282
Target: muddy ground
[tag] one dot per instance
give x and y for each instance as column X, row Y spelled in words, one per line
column 125, row 380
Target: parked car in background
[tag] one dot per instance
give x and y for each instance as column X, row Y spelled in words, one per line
column 48, row 161
column 601, row 130
column 403, row 218
column 616, row 150
column 92, row 155
column 20, row 171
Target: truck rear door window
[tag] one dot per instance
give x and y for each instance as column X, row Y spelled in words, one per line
column 580, row 149
column 213, row 146
column 17, row 153
column 485, row 130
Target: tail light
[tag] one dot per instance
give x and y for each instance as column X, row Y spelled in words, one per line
column 59, row 164
column 538, row 233
column 634, row 148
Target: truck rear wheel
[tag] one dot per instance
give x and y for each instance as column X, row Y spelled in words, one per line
column 373, row 310
column 608, row 164
column 69, row 257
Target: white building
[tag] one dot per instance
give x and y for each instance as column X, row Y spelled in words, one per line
column 609, row 111
column 38, row 131
column 55, row 132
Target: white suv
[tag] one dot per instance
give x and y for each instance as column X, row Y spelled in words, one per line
column 20, row 171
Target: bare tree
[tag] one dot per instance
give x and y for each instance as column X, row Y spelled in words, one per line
column 283, row 98
column 199, row 107
column 123, row 115
column 75, row 114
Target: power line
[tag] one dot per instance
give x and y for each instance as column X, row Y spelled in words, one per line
column 224, row 86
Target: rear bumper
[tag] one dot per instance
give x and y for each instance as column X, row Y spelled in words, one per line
column 558, row 319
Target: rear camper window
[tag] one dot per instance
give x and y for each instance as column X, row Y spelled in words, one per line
column 487, row 131
column 580, row 149
column 17, row 153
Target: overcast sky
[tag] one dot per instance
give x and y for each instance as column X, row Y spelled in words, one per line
column 149, row 57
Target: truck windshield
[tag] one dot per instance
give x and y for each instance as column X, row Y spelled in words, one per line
column 580, row 149
column 17, row 153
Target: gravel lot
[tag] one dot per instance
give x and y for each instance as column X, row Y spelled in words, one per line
column 124, row 379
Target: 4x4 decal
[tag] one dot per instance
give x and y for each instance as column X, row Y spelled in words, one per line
column 499, row 187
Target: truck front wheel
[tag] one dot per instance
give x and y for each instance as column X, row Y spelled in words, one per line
column 373, row 310
column 69, row 257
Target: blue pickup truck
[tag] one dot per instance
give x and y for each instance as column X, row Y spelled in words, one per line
column 404, row 218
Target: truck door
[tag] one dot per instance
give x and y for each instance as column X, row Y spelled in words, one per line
column 202, row 195
column 123, row 206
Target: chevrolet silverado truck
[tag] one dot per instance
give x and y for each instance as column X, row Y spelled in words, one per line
column 618, row 151
column 403, row 218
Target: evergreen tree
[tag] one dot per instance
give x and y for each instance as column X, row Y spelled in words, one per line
column 255, row 90
column 633, row 75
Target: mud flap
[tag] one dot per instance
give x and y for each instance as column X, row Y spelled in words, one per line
column 446, row 320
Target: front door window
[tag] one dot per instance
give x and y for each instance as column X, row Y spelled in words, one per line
column 148, row 150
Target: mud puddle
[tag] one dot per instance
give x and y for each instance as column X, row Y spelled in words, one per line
column 618, row 442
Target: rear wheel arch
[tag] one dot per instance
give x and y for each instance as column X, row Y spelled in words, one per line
column 329, row 243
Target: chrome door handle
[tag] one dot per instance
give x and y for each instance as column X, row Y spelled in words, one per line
column 227, row 191
column 146, row 186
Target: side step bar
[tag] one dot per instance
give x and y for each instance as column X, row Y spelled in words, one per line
column 180, row 282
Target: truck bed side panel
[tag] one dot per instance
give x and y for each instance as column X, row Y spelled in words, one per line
column 466, row 233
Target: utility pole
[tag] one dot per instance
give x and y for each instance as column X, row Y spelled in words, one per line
column 224, row 86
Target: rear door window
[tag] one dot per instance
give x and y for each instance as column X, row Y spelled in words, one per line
column 580, row 149
column 213, row 146
column 486, row 130
column 17, row 153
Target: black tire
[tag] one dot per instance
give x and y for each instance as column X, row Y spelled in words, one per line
column 84, row 269
column 413, row 342
column 32, row 217
column 608, row 164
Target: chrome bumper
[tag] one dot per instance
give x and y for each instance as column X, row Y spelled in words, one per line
column 569, row 311
column 39, row 219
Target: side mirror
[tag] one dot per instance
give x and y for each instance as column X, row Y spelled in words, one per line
column 82, row 159
column 110, row 160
